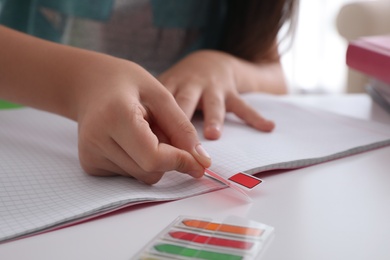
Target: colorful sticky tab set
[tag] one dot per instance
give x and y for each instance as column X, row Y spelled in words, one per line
column 198, row 238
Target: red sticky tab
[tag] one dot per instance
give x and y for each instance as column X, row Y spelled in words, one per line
column 245, row 180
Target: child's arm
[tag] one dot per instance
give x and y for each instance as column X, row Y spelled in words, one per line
column 115, row 102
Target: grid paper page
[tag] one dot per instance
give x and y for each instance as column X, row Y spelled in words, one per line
column 42, row 185
column 303, row 136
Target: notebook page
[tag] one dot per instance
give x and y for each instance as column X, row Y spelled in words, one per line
column 43, row 186
column 303, row 136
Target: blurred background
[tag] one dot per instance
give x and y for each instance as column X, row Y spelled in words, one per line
column 315, row 63
column 314, row 59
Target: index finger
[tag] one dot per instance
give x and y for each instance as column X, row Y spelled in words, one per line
column 173, row 122
column 248, row 114
column 187, row 97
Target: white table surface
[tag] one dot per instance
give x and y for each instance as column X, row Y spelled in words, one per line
column 335, row 210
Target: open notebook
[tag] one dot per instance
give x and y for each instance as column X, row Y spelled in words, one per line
column 42, row 186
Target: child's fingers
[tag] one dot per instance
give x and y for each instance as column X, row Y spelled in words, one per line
column 248, row 114
column 187, row 98
column 213, row 105
column 110, row 159
column 142, row 146
column 176, row 126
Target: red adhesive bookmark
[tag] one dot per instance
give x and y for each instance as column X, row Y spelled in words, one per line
column 246, row 180
column 215, row 241
column 229, row 184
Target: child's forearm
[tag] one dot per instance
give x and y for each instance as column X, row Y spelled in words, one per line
column 39, row 73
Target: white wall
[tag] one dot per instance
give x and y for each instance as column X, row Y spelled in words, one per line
column 316, row 60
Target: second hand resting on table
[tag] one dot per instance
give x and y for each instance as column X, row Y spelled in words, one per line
column 212, row 81
column 128, row 122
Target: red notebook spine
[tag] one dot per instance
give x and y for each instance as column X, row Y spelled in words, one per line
column 369, row 59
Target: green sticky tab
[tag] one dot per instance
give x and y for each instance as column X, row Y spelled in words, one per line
column 8, row 105
column 191, row 252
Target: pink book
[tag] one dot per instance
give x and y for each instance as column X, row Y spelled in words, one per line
column 371, row 56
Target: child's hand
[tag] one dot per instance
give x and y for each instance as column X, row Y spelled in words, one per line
column 207, row 80
column 129, row 124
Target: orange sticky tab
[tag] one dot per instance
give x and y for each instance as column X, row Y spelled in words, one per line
column 210, row 226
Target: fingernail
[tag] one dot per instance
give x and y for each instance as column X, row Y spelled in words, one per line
column 215, row 127
column 212, row 132
column 270, row 125
column 201, row 151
